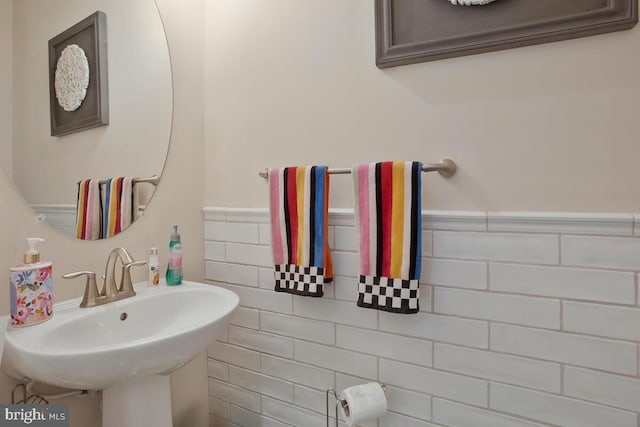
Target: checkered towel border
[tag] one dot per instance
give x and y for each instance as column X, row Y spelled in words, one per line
column 387, row 294
column 294, row 279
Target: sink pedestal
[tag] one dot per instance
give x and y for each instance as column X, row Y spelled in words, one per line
column 143, row 401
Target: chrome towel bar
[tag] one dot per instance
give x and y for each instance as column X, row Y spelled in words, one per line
column 445, row 167
column 153, row 179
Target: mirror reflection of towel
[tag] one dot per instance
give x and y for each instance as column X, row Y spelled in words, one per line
column 118, row 205
column 89, row 210
column 299, row 208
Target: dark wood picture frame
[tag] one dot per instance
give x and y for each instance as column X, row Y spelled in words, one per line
column 91, row 35
column 411, row 31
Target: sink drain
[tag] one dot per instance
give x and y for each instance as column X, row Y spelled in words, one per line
column 123, row 316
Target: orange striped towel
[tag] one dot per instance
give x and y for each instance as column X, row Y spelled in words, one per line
column 88, row 212
column 118, row 205
column 389, row 222
column 299, row 209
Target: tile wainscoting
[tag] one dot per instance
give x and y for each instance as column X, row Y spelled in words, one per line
column 527, row 319
column 61, row 217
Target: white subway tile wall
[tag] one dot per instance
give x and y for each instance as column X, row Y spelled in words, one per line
column 527, row 319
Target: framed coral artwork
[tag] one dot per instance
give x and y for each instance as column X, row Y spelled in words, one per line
column 78, row 88
column 410, row 31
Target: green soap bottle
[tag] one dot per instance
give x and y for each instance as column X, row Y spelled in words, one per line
column 174, row 269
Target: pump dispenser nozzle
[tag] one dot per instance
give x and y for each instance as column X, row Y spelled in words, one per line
column 32, row 255
column 175, row 236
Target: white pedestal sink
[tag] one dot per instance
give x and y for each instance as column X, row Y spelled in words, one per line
column 126, row 348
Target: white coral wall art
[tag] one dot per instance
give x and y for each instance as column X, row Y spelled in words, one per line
column 71, row 77
column 471, row 2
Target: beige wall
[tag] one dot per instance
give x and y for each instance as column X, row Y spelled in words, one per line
column 171, row 205
column 549, row 127
column 291, row 82
column 139, row 73
column 6, row 77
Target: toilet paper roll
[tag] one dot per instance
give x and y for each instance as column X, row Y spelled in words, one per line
column 364, row 402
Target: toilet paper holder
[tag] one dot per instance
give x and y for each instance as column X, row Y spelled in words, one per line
column 341, row 402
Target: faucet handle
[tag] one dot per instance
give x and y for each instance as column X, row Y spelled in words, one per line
column 90, row 289
column 125, row 281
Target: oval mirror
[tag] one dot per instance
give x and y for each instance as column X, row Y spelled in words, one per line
column 128, row 151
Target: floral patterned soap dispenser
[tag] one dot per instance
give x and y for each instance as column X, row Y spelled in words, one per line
column 31, row 288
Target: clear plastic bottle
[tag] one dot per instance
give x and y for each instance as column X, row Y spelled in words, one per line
column 174, row 269
column 154, row 267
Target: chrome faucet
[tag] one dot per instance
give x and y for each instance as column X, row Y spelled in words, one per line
column 110, row 291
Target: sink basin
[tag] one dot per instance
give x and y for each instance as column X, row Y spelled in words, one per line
column 153, row 333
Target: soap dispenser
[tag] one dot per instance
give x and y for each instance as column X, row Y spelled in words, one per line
column 31, row 288
column 174, row 269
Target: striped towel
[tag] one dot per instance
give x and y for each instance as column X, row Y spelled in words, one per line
column 118, row 205
column 88, row 210
column 389, row 223
column 299, row 206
